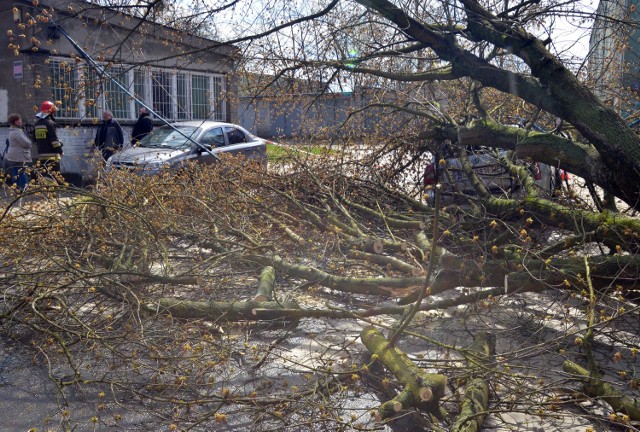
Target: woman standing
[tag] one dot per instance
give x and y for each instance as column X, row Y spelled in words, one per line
column 19, row 154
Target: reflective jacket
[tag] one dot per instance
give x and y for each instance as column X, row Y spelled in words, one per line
column 49, row 146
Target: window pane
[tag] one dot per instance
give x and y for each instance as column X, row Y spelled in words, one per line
column 235, row 136
column 218, row 98
column 161, row 92
column 200, row 105
column 214, row 138
column 90, row 89
column 169, row 137
column 63, row 87
column 116, row 99
column 139, row 87
column 183, row 97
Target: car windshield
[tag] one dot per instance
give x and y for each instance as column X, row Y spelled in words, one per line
column 176, row 137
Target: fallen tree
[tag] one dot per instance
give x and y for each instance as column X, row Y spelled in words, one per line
column 123, row 282
column 163, row 274
column 221, row 311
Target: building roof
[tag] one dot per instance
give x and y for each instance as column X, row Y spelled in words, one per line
column 68, row 12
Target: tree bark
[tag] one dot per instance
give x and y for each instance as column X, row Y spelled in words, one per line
column 596, row 387
column 385, row 286
column 266, row 285
column 367, row 244
column 475, row 403
column 421, row 390
column 216, row 311
column 386, row 261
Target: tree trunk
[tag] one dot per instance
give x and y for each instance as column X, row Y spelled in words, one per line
column 370, row 286
column 265, row 285
column 475, row 403
column 215, row 311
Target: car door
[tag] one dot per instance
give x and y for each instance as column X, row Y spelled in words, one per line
column 240, row 142
column 212, row 140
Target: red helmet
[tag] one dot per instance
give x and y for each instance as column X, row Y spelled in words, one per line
column 48, row 107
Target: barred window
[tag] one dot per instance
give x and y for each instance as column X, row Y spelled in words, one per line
column 140, row 87
column 200, row 101
column 83, row 92
column 183, row 96
column 218, row 99
column 90, row 89
column 115, row 97
column 161, row 90
column 63, row 86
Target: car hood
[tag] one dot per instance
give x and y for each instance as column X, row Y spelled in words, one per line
column 145, row 155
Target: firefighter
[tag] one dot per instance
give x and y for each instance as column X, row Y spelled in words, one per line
column 49, row 146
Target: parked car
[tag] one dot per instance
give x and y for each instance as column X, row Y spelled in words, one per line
column 171, row 146
column 485, row 163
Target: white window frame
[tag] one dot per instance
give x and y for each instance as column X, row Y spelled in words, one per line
column 187, row 90
column 172, row 94
column 146, row 96
column 217, row 102
column 129, row 76
column 207, row 90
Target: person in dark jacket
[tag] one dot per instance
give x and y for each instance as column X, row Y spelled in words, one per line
column 49, row 146
column 141, row 127
column 109, row 137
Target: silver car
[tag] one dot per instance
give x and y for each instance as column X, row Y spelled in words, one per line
column 172, row 146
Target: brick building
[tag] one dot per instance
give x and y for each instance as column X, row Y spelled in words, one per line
column 179, row 75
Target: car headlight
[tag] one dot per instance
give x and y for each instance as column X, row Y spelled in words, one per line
column 155, row 166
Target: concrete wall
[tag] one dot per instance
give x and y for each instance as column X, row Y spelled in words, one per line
column 4, row 105
column 322, row 116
